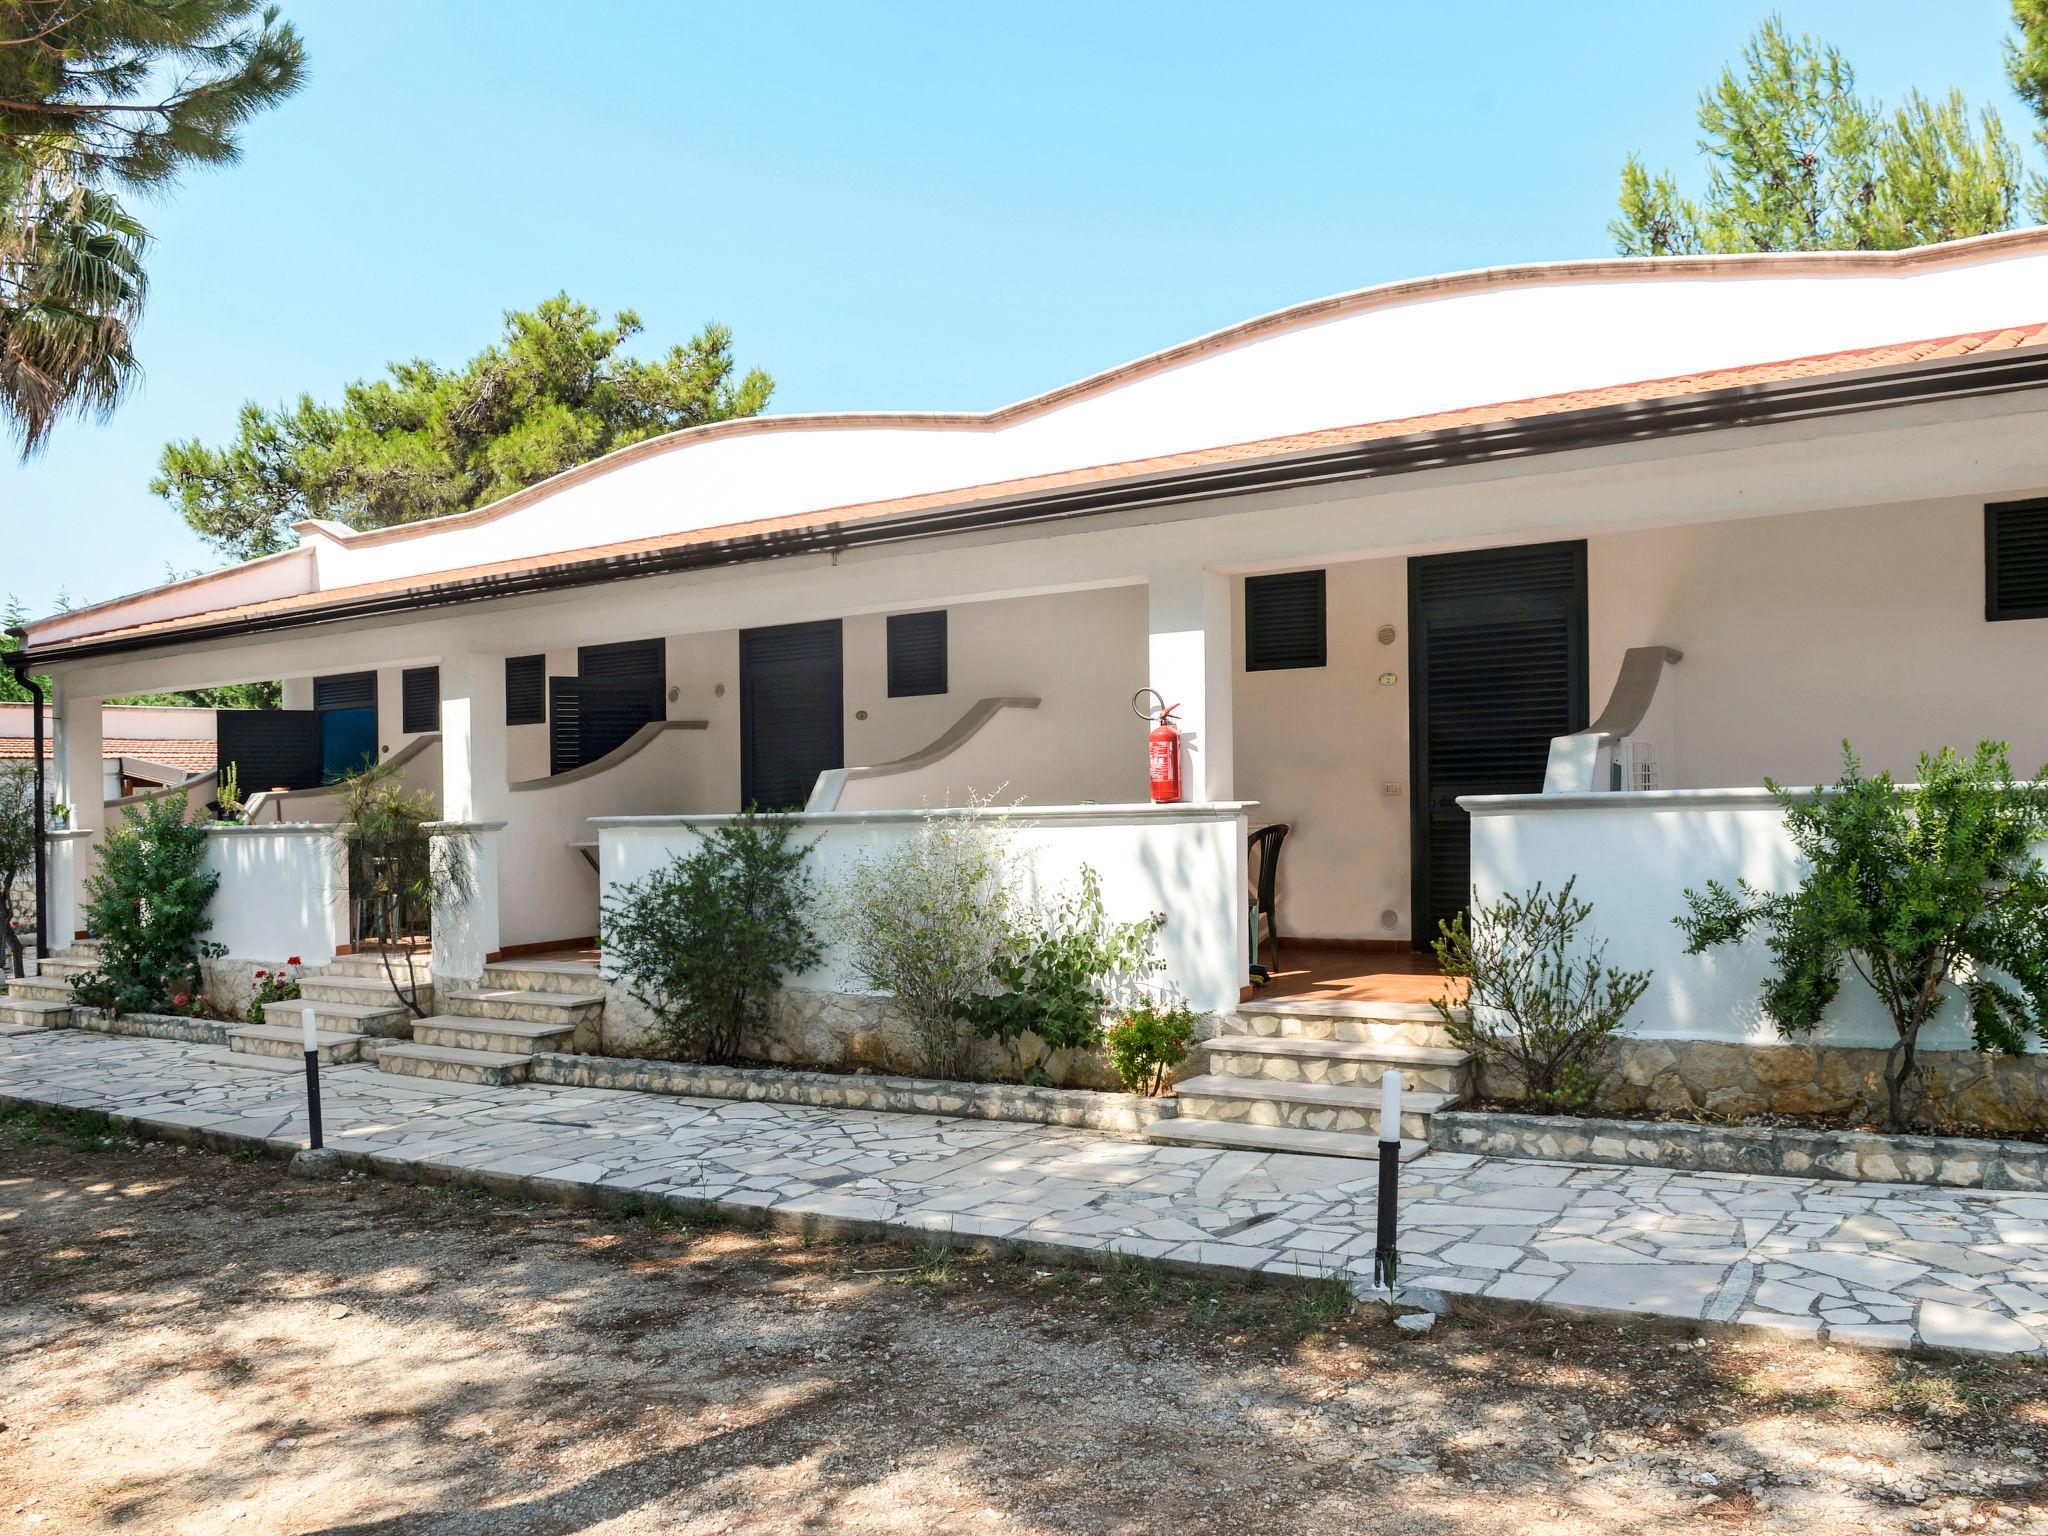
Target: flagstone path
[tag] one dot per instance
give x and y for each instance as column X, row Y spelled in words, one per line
column 1883, row 1265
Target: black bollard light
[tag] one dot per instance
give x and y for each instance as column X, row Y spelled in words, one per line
column 1386, row 1257
column 312, row 1081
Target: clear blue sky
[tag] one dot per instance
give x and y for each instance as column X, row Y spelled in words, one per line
column 901, row 206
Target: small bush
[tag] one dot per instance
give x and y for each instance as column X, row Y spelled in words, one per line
column 146, row 904
column 17, row 852
column 400, row 870
column 705, row 942
column 1068, row 963
column 1147, row 1043
column 929, row 920
column 1538, row 997
column 1926, row 890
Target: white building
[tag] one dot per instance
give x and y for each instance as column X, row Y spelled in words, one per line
column 1381, row 548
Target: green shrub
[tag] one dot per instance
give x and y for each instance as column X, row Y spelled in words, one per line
column 1925, row 890
column 1148, row 1042
column 928, row 920
column 1537, row 996
column 17, row 853
column 1062, row 973
column 146, row 904
column 400, row 869
column 705, row 942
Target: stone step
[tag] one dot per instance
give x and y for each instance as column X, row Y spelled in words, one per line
column 1238, row 1136
column 1364, row 1023
column 228, row 1056
column 372, row 990
column 1304, row 1106
column 60, row 966
column 1290, row 1058
column 334, row 1047
column 417, row 962
column 452, row 1064
column 36, row 989
column 511, row 1037
column 36, row 1013
column 509, row 1003
column 78, row 949
column 9, row 1029
column 386, row 1020
column 575, row 976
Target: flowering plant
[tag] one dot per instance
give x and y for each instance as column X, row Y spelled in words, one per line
column 278, row 986
column 1147, row 1043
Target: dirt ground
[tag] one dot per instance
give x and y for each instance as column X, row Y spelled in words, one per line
column 192, row 1342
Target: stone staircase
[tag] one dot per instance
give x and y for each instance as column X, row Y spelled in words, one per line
column 355, row 1005
column 43, row 1001
column 489, row 1034
column 1303, row 1075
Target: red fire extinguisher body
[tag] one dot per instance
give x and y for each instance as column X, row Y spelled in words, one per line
column 1163, row 756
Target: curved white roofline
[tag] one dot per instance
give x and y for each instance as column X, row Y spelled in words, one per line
column 1308, row 312
column 1393, row 351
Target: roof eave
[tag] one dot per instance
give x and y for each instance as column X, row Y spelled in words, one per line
column 1970, row 375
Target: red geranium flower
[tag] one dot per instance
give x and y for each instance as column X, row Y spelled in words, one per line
column 295, row 960
column 261, row 974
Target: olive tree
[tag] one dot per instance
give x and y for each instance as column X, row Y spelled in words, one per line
column 1929, row 891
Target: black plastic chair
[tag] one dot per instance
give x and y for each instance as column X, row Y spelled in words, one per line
column 1264, row 845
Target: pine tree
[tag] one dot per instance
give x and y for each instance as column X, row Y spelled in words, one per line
column 1799, row 161
column 97, row 100
column 2026, row 65
column 552, row 393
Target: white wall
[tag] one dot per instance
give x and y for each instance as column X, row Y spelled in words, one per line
column 549, row 891
column 1317, row 748
column 1866, row 623
column 1081, row 654
column 1187, row 862
column 283, row 892
column 1634, row 856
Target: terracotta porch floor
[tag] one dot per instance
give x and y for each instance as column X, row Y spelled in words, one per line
column 1350, row 975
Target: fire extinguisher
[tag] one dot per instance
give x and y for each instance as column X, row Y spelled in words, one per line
column 1162, row 745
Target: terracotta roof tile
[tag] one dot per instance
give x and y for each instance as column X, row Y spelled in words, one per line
column 192, row 756
column 866, row 512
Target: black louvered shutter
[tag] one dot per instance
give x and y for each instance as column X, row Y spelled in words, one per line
column 271, row 748
column 2016, row 561
column 565, row 724
column 792, row 722
column 1497, row 667
column 623, row 688
column 420, row 692
column 1284, row 621
column 345, row 690
column 526, row 684
column 917, row 653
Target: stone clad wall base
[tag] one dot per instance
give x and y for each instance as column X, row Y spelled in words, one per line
column 848, row 1031
column 1714, row 1080
column 1118, row 1114
column 1951, row 1161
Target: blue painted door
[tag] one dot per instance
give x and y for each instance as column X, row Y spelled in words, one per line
column 348, row 742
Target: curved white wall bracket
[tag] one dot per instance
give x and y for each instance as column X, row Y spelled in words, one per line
column 833, row 781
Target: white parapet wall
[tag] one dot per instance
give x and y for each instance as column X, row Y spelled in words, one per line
column 1185, row 861
column 283, row 891
column 1634, row 856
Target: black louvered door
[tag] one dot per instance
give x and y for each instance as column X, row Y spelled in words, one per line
column 792, row 712
column 1497, row 667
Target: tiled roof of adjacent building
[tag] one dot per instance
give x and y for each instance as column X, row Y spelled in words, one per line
column 192, row 756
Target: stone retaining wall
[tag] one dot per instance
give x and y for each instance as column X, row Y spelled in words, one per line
column 1716, row 1080
column 1117, row 1114
column 1947, row 1160
column 155, row 1026
column 852, row 1031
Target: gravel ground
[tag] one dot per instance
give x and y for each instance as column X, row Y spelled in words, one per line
column 192, row 1342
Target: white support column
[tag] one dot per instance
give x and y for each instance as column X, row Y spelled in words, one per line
column 1190, row 665
column 475, row 801
column 79, row 781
